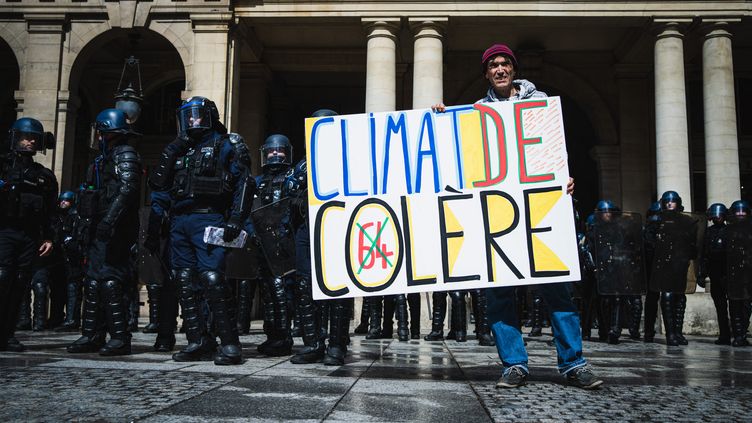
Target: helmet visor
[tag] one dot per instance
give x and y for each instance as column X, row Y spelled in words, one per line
column 194, row 118
column 26, row 142
column 276, row 155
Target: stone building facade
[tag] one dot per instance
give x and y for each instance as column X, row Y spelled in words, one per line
column 657, row 95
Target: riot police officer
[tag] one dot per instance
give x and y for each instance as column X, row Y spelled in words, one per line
column 617, row 246
column 339, row 311
column 713, row 265
column 110, row 200
column 738, row 243
column 67, row 221
column 274, row 232
column 206, row 172
column 675, row 244
column 27, row 199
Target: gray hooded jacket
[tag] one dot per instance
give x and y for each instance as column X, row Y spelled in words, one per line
column 525, row 90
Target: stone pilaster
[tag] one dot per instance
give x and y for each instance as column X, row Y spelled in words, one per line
column 209, row 77
column 609, row 173
column 67, row 110
column 671, row 137
column 428, row 61
column 381, row 80
column 253, row 94
column 40, row 80
column 721, row 144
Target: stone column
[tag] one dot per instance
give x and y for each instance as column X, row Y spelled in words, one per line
column 721, row 144
column 671, row 138
column 381, row 62
column 40, row 81
column 428, row 61
column 210, row 57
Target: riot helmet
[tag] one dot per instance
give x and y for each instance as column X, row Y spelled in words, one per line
column 324, row 113
column 276, row 152
column 739, row 210
column 605, row 209
column 108, row 124
column 590, row 222
column 66, row 199
column 198, row 115
column 27, row 136
column 604, row 206
column 671, row 197
column 716, row 212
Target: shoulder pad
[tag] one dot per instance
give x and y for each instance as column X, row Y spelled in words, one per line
column 235, row 138
column 290, row 172
column 125, row 153
column 301, row 167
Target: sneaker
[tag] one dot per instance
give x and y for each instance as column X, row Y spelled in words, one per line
column 583, row 377
column 513, row 377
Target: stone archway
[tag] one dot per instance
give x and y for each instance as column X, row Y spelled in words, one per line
column 93, row 81
column 10, row 75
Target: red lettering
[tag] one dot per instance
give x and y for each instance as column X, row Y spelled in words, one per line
column 522, row 142
column 486, row 112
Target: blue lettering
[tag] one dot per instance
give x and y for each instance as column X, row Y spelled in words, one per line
column 345, row 167
column 426, row 127
column 314, row 162
column 397, row 127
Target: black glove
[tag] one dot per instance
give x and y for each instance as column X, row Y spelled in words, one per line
column 232, row 230
column 104, row 231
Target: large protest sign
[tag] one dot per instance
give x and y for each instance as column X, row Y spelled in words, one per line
column 415, row 201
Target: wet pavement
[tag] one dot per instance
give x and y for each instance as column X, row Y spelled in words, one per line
column 382, row 380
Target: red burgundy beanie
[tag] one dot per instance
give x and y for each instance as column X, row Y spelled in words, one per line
column 495, row 50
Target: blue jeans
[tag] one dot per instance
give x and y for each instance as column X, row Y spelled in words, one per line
column 565, row 324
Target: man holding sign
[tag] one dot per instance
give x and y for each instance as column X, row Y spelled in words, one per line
column 499, row 67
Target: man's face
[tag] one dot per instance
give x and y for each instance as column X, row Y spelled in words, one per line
column 500, row 73
column 65, row 204
column 27, row 142
column 194, row 122
column 276, row 152
column 671, row 205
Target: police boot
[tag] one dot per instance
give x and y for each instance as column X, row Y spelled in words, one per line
column 387, row 328
column 245, row 299
column 482, row 329
column 669, row 324
column 41, row 294
column 458, row 329
column 268, row 309
column 375, row 303
column 651, row 313
column 24, row 312
column 92, row 334
column 72, row 308
column 738, row 324
column 11, row 291
column 413, row 302
column 168, row 312
column 614, row 331
column 635, row 313
column 362, row 327
column 403, row 331
column 339, row 332
column 152, row 292
column 282, row 344
column 680, row 301
column 437, row 317
column 221, row 304
column 200, row 346
column 536, row 321
column 132, row 306
column 308, row 310
column 117, row 320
